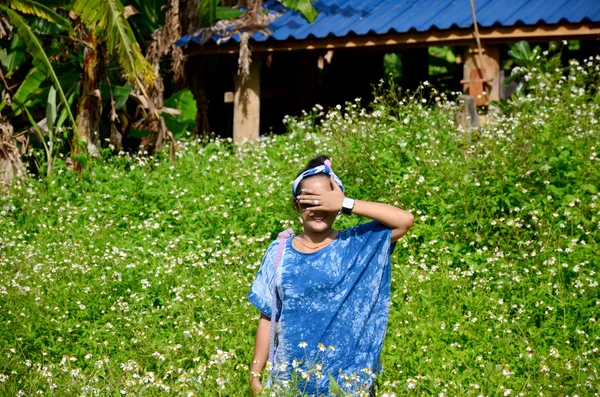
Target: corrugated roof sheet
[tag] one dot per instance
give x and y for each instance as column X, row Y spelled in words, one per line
column 338, row 18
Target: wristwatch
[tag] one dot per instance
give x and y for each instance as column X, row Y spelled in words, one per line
column 347, row 206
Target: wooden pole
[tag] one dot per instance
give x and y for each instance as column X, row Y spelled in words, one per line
column 474, row 16
column 246, row 104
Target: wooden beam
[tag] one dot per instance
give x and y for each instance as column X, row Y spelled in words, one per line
column 456, row 36
column 246, row 104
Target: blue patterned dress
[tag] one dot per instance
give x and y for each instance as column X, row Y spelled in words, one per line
column 332, row 309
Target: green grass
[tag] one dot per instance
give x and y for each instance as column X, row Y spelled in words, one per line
column 132, row 278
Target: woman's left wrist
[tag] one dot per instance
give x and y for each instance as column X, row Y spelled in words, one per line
column 347, row 205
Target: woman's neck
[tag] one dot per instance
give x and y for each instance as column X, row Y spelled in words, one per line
column 318, row 237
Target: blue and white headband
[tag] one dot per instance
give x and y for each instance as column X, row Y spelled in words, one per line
column 321, row 169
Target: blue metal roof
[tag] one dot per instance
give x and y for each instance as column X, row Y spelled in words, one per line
column 338, row 18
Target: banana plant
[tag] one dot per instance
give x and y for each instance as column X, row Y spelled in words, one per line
column 104, row 25
column 34, row 46
column 106, row 19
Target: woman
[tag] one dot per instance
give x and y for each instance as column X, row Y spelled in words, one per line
column 332, row 290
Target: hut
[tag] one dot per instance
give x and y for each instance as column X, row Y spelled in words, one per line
column 340, row 55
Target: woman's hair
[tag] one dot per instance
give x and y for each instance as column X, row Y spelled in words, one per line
column 315, row 162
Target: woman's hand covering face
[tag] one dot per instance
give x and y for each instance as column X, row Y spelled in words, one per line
column 312, row 199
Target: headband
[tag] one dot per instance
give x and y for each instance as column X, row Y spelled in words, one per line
column 321, row 169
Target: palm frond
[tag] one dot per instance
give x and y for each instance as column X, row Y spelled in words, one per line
column 40, row 59
column 34, row 8
column 107, row 19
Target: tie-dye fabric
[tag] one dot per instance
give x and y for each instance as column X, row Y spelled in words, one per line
column 332, row 307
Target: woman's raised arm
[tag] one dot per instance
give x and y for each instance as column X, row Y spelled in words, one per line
column 398, row 220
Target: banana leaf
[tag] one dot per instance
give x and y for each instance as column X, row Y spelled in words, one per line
column 42, row 11
column 30, row 87
column 106, row 18
column 186, row 121
column 14, row 57
column 51, row 110
column 119, row 93
column 40, row 59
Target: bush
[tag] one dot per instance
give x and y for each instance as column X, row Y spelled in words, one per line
column 132, row 278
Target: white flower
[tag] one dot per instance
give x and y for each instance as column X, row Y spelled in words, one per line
column 302, row 345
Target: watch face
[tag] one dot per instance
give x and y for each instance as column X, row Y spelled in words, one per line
column 347, row 205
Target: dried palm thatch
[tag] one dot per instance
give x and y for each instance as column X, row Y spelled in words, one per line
column 162, row 44
column 10, row 157
column 253, row 20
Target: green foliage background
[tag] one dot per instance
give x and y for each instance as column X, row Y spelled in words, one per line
column 131, row 279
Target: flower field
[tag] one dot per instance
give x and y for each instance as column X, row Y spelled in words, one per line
column 131, row 278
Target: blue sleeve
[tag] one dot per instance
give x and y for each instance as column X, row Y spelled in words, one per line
column 375, row 234
column 261, row 292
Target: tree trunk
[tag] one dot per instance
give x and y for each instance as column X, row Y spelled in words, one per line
column 89, row 107
column 162, row 44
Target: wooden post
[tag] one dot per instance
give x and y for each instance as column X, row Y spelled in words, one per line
column 246, row 104
column 491, row 69
column 466, row 117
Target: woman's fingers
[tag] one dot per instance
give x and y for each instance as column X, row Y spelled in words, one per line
column 334, row 184
column 309, row 197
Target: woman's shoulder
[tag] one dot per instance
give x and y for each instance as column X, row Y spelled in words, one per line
column 365, row 228
column 274, row 245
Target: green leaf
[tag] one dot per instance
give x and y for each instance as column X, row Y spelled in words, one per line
column 150, row 18
column 207, row 10
column 588, row 187
column 30, row 86
column 304, row 7
column 41, row 11
column 14, row 57
column 106, row 18
column 333, row 385
column 63, row 112
column 138, row 133
column 51, row 109
column 120, row 93
column 523, row 48
column 184, row 101
column 227, row 13
column 40, row 59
